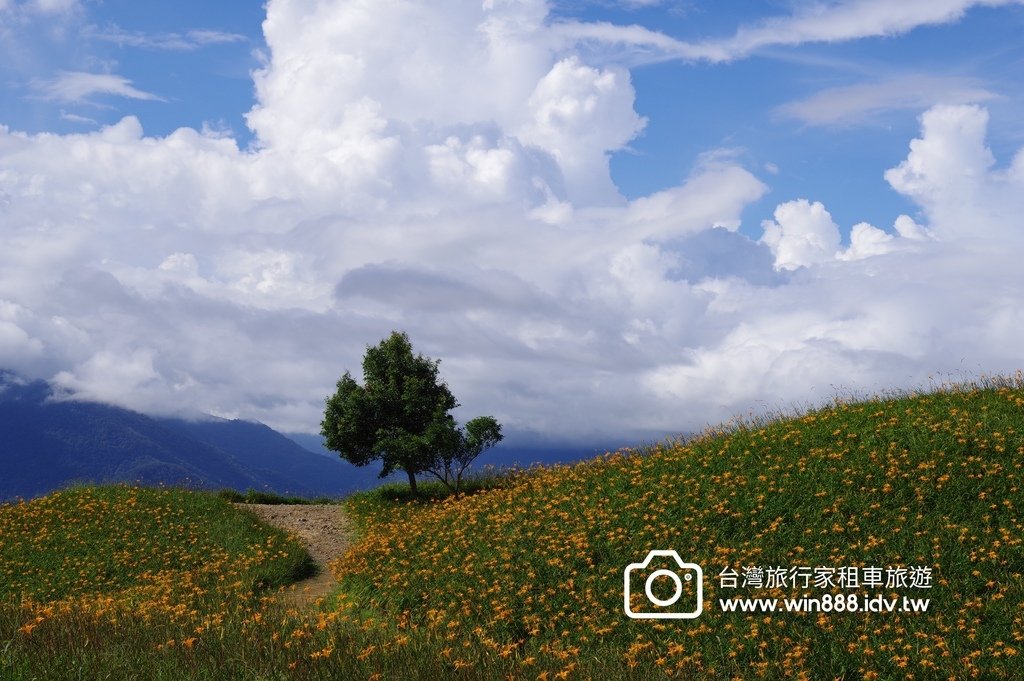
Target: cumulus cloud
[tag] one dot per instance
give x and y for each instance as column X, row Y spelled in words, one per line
column 952, row 174
column 374, row 104
column 442, row 168
column 802, row 234
column 579, row 115
column 865, row 241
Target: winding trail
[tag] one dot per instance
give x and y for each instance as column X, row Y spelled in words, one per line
column 324, row 530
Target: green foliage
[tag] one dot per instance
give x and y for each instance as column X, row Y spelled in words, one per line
column 451, row 464
column 400, row 416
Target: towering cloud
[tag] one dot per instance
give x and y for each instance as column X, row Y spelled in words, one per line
column 442, row 168
column 951, row 173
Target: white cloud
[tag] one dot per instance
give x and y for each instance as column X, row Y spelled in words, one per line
column 866, row 241
column 46, row 8
column 79, row 86
column 838, row 22
column 831, row 22
column 180, row 42
column 631, row 44
column 697, row 204
column 112, row 377
column 908, row 229
column 579, row 114
column 14, row 340
column 181, row 272
column 76, row 118
column 53, row 6
column 853, row 104
column 952, row 174
column 802, row 234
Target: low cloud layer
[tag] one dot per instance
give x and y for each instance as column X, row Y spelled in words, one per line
column 443, row 169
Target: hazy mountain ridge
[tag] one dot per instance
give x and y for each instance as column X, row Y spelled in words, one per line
column 46, row 444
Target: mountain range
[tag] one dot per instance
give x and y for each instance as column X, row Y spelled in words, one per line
column 47, row 443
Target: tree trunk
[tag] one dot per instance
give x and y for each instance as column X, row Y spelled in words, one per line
column 412, row 484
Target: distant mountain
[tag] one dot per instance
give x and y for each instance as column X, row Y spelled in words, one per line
column 364, row 477
column 313, row 443
column 264, row 451
column 46, row 444
column 519, row 449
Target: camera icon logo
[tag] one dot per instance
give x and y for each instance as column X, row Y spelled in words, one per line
column 676, row 574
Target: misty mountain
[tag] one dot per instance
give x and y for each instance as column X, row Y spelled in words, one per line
column 48, row 443
column 266, row 452
column 314, row 443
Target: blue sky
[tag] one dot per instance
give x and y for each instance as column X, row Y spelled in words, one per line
column 197, row 59
column 690, row 107
column 576, row 204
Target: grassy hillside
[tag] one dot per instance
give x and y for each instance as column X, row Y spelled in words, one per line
column 110, row 582
column 526, row 580
column 529, row 580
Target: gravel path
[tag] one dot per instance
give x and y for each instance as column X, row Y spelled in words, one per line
column 325, row 531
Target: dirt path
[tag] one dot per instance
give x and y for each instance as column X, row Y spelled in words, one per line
column 325, row 531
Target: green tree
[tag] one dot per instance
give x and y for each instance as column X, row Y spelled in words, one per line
column 400, row 415
column 480, row 433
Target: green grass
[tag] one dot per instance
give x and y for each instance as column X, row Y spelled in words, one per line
column 534, row 571
column 104, row 540
column 522, row 577
column 94, row 579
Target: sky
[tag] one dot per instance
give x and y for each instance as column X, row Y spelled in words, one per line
column 610, row 221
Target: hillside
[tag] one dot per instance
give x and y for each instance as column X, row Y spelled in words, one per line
column 917, row 497
column 531, row 578
column 48, row 444
column 96, row 582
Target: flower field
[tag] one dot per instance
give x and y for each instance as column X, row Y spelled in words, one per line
column 528, row 581
column 917, row 496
